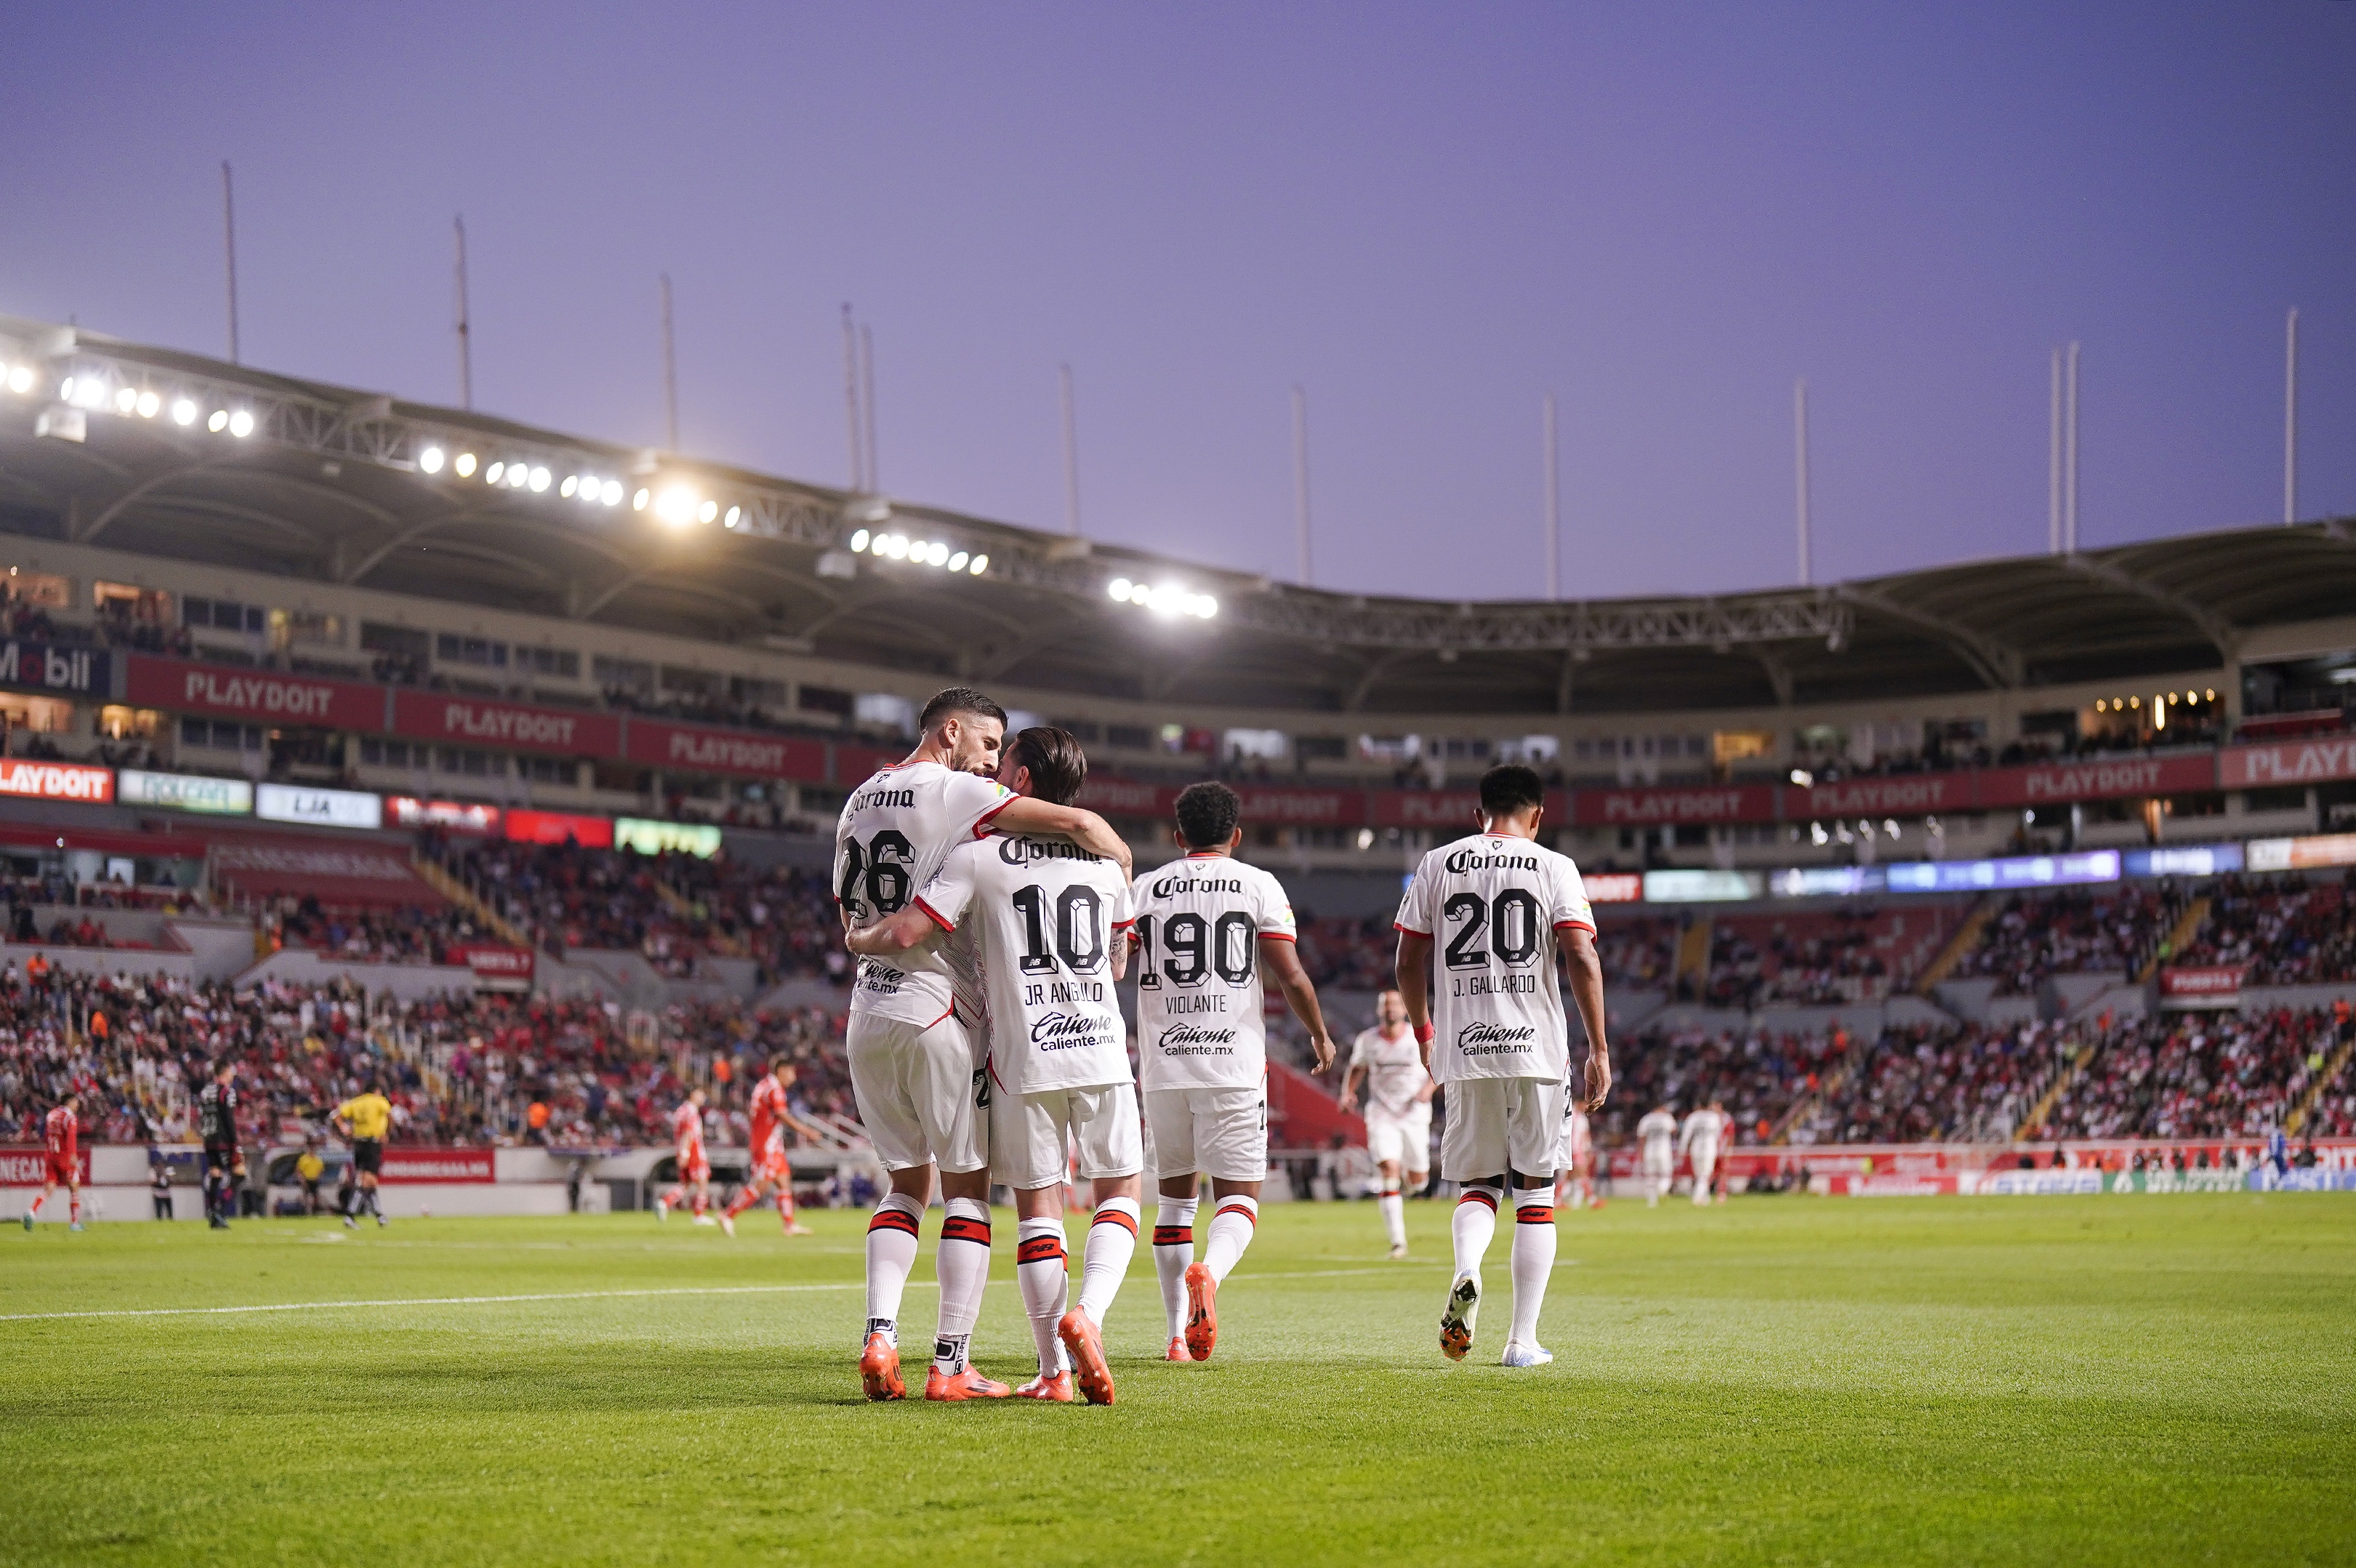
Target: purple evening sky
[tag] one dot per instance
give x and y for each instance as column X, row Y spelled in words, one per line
column 1428, row 216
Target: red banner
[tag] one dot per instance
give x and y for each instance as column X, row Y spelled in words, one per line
column 497, row 968
column 2290, row 762
column 28, row 1165
column 57, row 780
column 417, row 1164
column 2097, row 779
column 470, row 817
column 695, row 750
column 855, row 764
column 511, row 726
column 555, row 827
column 1653, row 808
column 338, row 872
column 1613, row 886
column 1458, row 808
column 1303, row 808
column 264, row 696
column 2207, row 985
column 1889, row 795
column 1125, row 798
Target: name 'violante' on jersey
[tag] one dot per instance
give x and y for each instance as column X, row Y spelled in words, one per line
column 894, row 832
column 1492, row 906
column 1200, row 1008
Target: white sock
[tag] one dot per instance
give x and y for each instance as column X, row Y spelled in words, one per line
column 1474, row 1224
column 1533, row 1259
column 1112, row 1242
column 891, row 1253
column 1231, row 1231
column 1040, row 1271
column 963, row 1261
column 1173, row 1249
column 1394, row 1209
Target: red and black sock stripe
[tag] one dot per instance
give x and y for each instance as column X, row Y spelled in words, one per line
column 1239, row 1209
column 1173, row 1235
column 1534, row 1214
column 1116, row 1217
column 893, row 1220
column 1480, row 1194
column 957, row 1227
column 1040, row 1250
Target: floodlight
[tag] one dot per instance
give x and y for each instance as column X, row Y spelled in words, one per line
column 519, row 476
column 978, row 565
column 707, row 512
column 84, row 392
column 1118, row 589
column 430, row 460
column 183, row 412
column 20, row 379
column 896, row 546
column 217, row 423
column 612, row 494
column 939, row 554
column 638, row 501
column 538, row 479
column 65, row 390
column 241, row 424
column 149, row 405
column 125, row 400
column 495, row 473
column 917, row 548
column 956, row 562
column 1206, row 606
column 571, row 485
column 465, row 466
column 859, row 541
column 735, row 515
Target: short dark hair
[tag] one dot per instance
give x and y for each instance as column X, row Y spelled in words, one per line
column 223, row 1064
column 1509, row 787
column 1058, row 767
column 1207, row 813
column 958, row 700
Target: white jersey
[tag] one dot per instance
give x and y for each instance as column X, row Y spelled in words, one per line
column 1493, row 905
column 1658, row 1132
column 1395, row 1074
column 1046, row 914
column 1704, row 1129
column 895, row 830
column 1199, row 998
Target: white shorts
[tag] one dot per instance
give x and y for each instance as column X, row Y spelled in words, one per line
column 1705, row 1160
column 1029, row 1135
column 1661, row 1163
column 916, row 1088
column 1221, row 1133
column 1407, row 1139
column 1496, row 1124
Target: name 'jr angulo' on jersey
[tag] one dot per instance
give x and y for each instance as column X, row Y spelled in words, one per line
column 1492, row 907
column 1200, row 1002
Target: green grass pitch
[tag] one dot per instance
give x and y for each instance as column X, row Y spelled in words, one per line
column 2044, row 1381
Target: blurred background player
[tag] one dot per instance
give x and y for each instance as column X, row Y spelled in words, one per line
column 1052, row 922
column 694, row 1165
column 160, row 1182
column 1576, row 1179
column 1497, row 909
column 1386, row 1059
column 1208, row 926
column 61, row 1160
column 224, row 1166
column 1700, row 1140
column 1656, row 1134
column 771, row 1170
column 365, row 1118
column 915, row 1045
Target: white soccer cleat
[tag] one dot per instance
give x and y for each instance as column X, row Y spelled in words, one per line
column 705, row 1219
column 728, row 1224
column 1518, row 1355
column 1457, row 1321
column 662, row 1210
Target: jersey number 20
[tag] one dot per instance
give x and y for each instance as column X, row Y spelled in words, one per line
column 1511, row 924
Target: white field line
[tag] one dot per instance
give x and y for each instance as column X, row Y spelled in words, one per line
column 547, row 1295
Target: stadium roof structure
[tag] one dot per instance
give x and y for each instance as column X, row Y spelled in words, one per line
column 162, row 453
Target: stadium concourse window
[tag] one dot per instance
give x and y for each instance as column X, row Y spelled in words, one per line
column 463, row 761
column 375, row 753
column 224, row 615
column 44, row 590
column 562, row 662
column 1085, row 731
column 220, row 734
column 634, row 677
column 561, row 770
column 119, row 723
column 306, row 628
column 887, row 712
column 398, row 654
column 621, row 778
column 1128, row 737
column 452, row 648
column 1321, row 747
column 824, row 700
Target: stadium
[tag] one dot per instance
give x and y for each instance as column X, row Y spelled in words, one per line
column 440, row 1108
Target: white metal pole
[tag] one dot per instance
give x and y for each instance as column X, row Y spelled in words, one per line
column 2070, row 437
column 1301, row 479
column 1800, row 472
column 867, row 402
column 229, row 239
column 2053, row 467
column 2290, row 419
column 1071, row 458
column 466, row 329
column 671, row 368
column 850, row 402
column 1553, row 507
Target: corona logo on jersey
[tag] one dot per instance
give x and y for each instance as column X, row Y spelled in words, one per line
column 57, row 782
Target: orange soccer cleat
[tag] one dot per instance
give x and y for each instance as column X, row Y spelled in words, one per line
column 1047, row 1389
column 1086, row 1348
column 1202, row 1311
column 1178, row 1351
column 879, row 1370
column 942, row 1387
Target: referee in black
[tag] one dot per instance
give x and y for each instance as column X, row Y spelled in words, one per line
column 224, row 1166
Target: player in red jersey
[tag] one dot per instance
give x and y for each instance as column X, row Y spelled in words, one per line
column 770, row 1173
column 61, row 1160
column 694, row 1168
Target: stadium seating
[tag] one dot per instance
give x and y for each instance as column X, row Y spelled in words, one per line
column 2283, row 930
column 2035, row 936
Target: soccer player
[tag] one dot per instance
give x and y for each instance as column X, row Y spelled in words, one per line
column 916, row 1033
column 224, row 1166
column 1656, row 1131
column 1497, row 907
column 61, row 1160
column 694, row 1165
column 1399, row 1109
column 1208, row 927
column 1052, row 921
column 365, row 1118
column 1699, row 1140
column 771, row 1171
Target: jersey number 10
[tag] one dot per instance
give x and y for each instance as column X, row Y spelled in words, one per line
column 1079, row 931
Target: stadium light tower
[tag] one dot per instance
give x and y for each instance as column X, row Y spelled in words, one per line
column 466, row 326
column 229, row 241
column 850, row 401
column 671, row 370
column 1301, row 479
column 2070, row 457
column 1800, row 471
column 1071, row 458
column 1553, row 508
column 2053, row 467
column 2290, row 418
